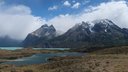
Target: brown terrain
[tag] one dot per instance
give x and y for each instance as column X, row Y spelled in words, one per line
column 113, row 59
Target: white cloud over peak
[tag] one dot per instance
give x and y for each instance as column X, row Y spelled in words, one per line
column 53, row 7
column 16, row 21
column 63, row 22
column 66, row 3
column 76, row 5
column 117, row 11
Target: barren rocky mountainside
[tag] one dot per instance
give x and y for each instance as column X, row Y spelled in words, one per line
column 98, row 33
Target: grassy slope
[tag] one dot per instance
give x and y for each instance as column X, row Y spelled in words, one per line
column 113, row 50
column 91, row 63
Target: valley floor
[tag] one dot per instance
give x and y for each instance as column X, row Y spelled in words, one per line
column 9, row 55
column 91, row 63
column 106, row 60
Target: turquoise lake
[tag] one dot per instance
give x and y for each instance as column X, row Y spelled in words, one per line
column 15, row 48
column 38, row 58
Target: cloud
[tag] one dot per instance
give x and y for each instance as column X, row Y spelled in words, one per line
column 117, row 11
column 117, row 0
column 85, row 2
column 63, row 22
column 76, row 5
column 53, row 8
column 66, row 3
column 20, row 9
column 17, row 21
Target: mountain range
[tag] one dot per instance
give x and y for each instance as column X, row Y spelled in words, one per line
column 7, row 41
column 97, row 33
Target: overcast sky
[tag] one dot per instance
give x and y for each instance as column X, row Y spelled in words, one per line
column 20, row 17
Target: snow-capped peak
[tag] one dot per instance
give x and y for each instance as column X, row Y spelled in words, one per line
column 44, row 30
column 85, row 24
column 94, row 26
column 103, row 21
column 44, row 26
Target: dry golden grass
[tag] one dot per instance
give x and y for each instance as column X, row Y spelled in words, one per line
column 90, row 63
column 106, row 60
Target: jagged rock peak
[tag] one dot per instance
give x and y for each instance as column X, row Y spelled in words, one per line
column 96, row 34
column 85, row 24
column 44, row 30
column 44, row 26
column 51, row 26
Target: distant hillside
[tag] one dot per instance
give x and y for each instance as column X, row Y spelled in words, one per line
column 6, row 41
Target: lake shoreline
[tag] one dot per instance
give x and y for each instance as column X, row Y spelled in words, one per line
column 113, row 59
column 12, row 55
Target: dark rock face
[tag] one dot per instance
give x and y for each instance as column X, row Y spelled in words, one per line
column 125, row 30
column 84, row 35
column 40, row 37
column 44, row 31
column 103, row 33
